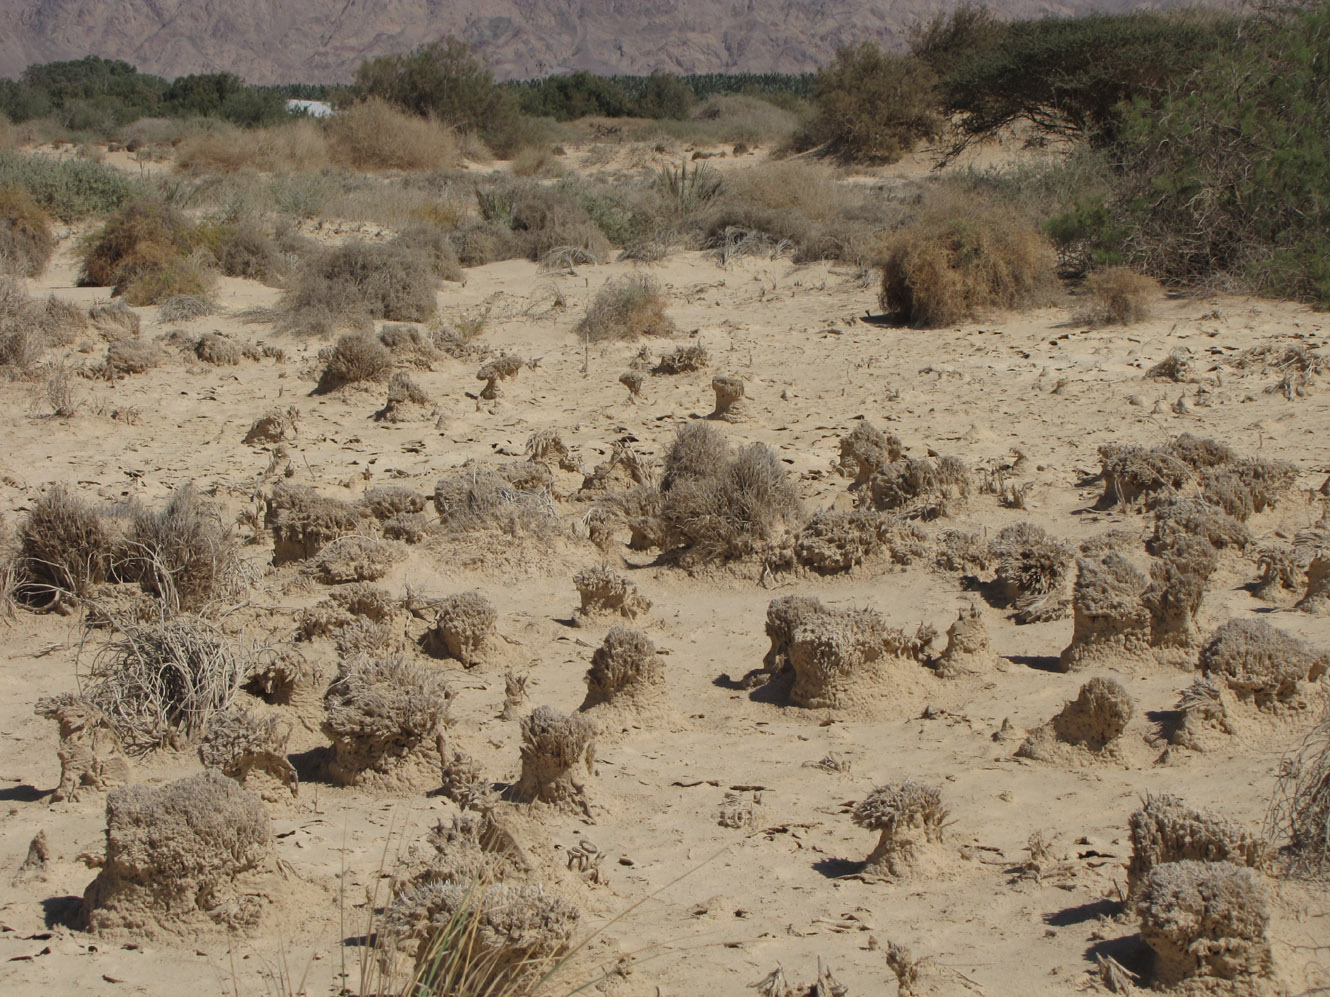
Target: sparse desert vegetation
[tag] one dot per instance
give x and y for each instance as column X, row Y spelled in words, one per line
column 673, row 534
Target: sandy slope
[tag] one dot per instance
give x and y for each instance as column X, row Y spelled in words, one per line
column 775, row 892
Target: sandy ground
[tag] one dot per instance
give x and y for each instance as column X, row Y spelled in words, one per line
column 704, row 909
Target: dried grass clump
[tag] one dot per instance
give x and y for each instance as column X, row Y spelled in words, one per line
column 92, row 758
column 185, row 307
column 435, row 245
column 1195, row 517
column 843, row 658
column 1200, row 708
column 1177, row 585
column 1165, row 830
column 1121, row 296
column 463, row 628
column 115, row 321
column 1176, row 367
column 604, row 592
column 1300, row 810
column 1205, row 921
column 968, row 648
column 241, row 743
column 178, row 857
column 184, row 554
column 1111, row 624
column 627, row 308
column 556, row 752
column 385, row 717
column 1092, row 722
column 1317, row 597
column 131, row 356
column 1260, row 664
column 694, row 454
column 26, row 242
column 373, row 134
column 911, row 818
column 1247, row 485
column 919, row 488
column 866, row 451
column 547, row 447
column 218, row 350
column 160, row 684
column 64, row 548
column 406, row 401
column 625, row 671
column 683, row 360
column 408, row 527
column 303, row 522
column 352, row 285
column 274, row 426
column 837, row 540
column 354, row 558
column 1031, row 572
column 960, row 258
column 512, row 498
column 742, row 508
column 356, row 358
column 343, row 607
column 387, row 501
column 146, row 252
column 503, row 368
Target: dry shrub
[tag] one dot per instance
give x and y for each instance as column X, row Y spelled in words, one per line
column 1177, row 585
column 1300, row 810
column 354, row 558
column 385, row 717
column 131, row 356
column 1261, row 664
column 910, row 818
column 1205, row 920
column 1180, row 519
column 625, row 671
column 1110, row 623
column 1165, row 829
column 1092, row 722
column 695, row 452
column 784, row 616
column 683, row 360
column 352, row 285
column 513, row 499
column 837, row 540
column 176, row 858
column 1121, row 296
column 1031, row 571
column 26, row 242
column 605, row 592
column 64, row 548
column 303, row 522
column 744, row 507
column 503, row 368
column 627, row 308
column 185, row 307
column 160, row 684
column 919, row 488
column 298, row 146
column 961, row 257
column 387, row 501
column 356, row 358
column 249, row 252
column 274, row 426
column 435, row 245
column 968, row 648
column 241, row 743
column 842, row 659
column 866, row 451
column 185, row 554
column 463, row 627
column 92, row 758
column 145, row 252
column 558, row 751
column 375, row 135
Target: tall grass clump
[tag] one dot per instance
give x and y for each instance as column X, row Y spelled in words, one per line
column 626, row 309
column 147, row 252
column 352, row 285
column 374, row 135
column 26, row 242
column 297, row 146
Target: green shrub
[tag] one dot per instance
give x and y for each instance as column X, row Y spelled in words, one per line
column 69, row 189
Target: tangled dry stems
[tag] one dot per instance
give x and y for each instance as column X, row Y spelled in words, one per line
column 1299, row 816
column 183, row 554
column 64, row 547
column 628, row 308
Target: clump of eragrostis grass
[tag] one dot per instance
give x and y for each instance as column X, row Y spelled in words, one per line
column 1299, row 814
column 627, row 308
column 1111, row 625
column 184, row 554
column 625, row 671
column 64, row 548
column 244, row 744
column 1087, row 728
column 605, row 592
column 1165, row 829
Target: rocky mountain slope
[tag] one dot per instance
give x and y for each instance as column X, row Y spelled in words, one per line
column 269, row 41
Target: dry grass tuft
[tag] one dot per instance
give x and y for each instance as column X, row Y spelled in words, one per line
column 512, row 498
column 26, row 242
column 1120, row 296
column 1167, row 830
column 352, row 285
column 558, row 751
column 356, row 358
column 627, row 308
column 462, row 629
column 64, row 548
column 186, row 555
column 683, row 360
column 1261, row 664
column 910, row 817
column 375, row 135
column 1300, row 811
column 960, row 258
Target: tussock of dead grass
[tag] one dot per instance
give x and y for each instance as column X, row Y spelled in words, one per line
column 374, row 135
column 627, row 309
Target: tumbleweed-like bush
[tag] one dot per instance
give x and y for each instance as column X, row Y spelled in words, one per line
column 512, row 498
column 356, row 357
column 911, row 818
column 628, row 308
column 463, row 628
column 625, row 671
column 1205, row 920
column 64, row 547
column 1177, row 585
column 385, row 717
column 242, row 742
column 558, row 752
column 177, row 857
column 1110, row 623
column 1300, row 811
column 605, row 592
column 160, row 684
column 1260, row 664
column 92, row 760
column 1031, row 571
column 184, row 553
column 1093, row 721
column 1165, row 829
column 842, row 658
column 694, row 454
